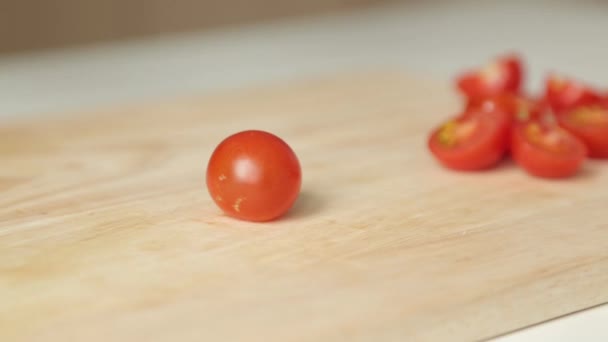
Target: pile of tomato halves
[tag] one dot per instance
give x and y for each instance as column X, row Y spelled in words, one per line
column 548, row 136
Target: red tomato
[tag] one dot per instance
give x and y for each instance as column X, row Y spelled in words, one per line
column 563, row 94
column 502, row 75
column 546, row 150
column 590, row 124
column 519, row 107
column 254, row 176
column 475, row 140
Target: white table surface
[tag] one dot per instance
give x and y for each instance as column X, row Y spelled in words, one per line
column 432, row 38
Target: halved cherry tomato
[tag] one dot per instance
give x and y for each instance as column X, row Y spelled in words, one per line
column 546, row 150
column 254, row 176
column 502, row 75
column 474, row 140
column 520, row 108
column 590, row 124
column 564, row 94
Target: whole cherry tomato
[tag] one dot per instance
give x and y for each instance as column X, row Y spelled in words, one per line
column 546, row 150
column 474, row 140
column 254, row 176
column 503, row 75
column 563, row 94
column 590, row 124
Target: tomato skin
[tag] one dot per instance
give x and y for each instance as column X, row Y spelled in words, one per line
column 540, row 161
column 593, row 133
column 504, row 74
column 515, row 69
column 254, row 176
column 564, row 94
column 483, row 149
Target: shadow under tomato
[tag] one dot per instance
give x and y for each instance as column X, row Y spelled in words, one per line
column 506, row 163
column 586, row 172
column 307, row 204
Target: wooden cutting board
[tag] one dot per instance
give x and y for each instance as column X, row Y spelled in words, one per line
column 107, row 232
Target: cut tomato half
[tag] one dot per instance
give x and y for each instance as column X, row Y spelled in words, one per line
column 590, row 124
column 563, row 94
column 545, row 150
column 474, row 140
column 519, row 107
column 502, row 75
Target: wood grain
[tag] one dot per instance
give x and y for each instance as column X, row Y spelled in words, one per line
column 107, row 231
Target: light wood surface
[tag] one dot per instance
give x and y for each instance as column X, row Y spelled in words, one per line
column 107, row 232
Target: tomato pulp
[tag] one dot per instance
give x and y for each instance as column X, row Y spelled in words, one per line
column 519, row 107
column 254, row 176
column 563, row 94
column 590, row 124
column 475, row 140
column 546, row 150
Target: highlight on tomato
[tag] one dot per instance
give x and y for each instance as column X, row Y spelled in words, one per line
column 590, row 124
column 546, row 150
column 254, row 176
column 564, row 94
column 474, row 140
column 502, row 75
